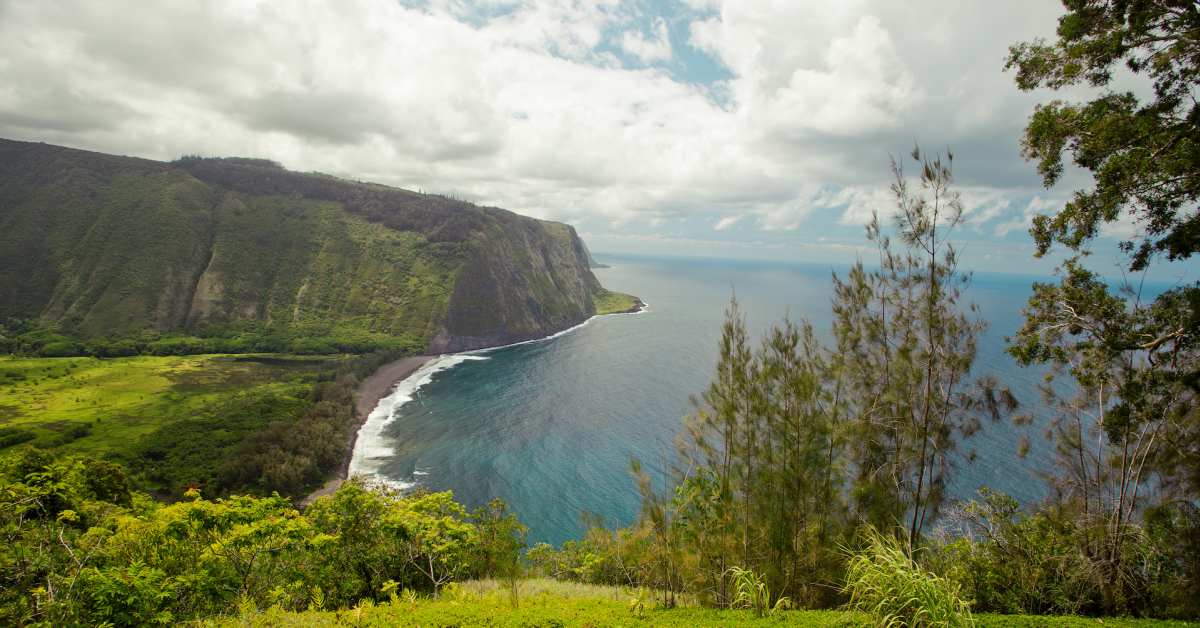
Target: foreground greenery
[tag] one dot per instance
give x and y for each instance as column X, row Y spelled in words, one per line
column 543, row 602
column 79, row 547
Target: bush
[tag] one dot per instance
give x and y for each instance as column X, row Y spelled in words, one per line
column 886, row 583
column 10, row 436
column 80, row 549
column 60, row 349
column 1011, row 563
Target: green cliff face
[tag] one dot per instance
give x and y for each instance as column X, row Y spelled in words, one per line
column 109, row 246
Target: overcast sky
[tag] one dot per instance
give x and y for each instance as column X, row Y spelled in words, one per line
column 697, row 127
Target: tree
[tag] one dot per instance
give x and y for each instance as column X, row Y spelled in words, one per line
column 1127, row 437
column 905, row 348
column 1144, row 156
column 765, row 458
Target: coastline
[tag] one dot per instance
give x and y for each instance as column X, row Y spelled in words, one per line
column 638, row 307
column 371, row 390
column 383, row 382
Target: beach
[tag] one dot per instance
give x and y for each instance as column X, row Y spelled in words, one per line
column 375, row 387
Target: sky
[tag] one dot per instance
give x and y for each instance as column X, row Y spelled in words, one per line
column 739, row 128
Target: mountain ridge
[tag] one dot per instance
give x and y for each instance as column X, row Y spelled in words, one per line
column 105, row 245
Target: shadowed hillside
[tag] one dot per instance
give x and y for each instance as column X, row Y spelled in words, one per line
column 107, row 246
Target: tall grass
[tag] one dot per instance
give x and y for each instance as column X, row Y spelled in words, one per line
column 884, row 582
column 752, row 592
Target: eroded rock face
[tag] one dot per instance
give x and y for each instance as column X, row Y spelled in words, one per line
column 109, row 245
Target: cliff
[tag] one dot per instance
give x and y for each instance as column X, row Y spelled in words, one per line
column 106, row 246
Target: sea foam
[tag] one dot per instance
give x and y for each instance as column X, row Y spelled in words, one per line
column 372, row 449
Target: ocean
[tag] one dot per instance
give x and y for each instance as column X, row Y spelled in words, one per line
column 551, row 426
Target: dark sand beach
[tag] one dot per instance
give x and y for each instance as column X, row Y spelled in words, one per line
column 375, row 387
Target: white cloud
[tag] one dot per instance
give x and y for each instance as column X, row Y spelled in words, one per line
column 524, row 105
column 727, row 222
column 1022, row 222
column 652, row 49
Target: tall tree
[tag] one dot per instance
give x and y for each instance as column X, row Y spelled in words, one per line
column 1144, row 155
column 1125, row 418
column 905, row 348
column 1127, row 437
column 1145, row 162
column 765, row 458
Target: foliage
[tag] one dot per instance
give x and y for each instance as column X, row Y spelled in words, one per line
column 1144, row 156
column 752, row 592
column 888, row 585
column 1014, row 562
column 1125, row 422
column 32, row 338
column 250, row 423
column 905, row 347
column 1125, row 425
column 80, row 548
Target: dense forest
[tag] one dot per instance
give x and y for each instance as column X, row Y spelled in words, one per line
column 812, row 474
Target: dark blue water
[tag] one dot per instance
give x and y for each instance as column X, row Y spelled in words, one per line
column 551, row 426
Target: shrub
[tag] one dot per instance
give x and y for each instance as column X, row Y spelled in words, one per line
column 10, row 436
column 1012, row 563
column 886, row 583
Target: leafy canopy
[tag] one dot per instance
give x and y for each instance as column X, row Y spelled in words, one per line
column 1144, row 155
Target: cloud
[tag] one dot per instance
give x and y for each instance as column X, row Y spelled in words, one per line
column 652, row 49
column 727, row 222
column 570, row 110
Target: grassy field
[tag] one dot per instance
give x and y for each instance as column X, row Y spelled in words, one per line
column 165, row 417
column 120, row 400
column 609, row 302
column 550, row 603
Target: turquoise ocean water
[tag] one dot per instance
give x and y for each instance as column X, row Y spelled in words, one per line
column 551, row 426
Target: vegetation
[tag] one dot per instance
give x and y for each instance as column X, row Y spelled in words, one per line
column 103, row 255
column 1142, row 155
column 885, row 583
column 796, row 446
column 35, row 339
column 221, row 423
column 80, row 547
column 609, row 302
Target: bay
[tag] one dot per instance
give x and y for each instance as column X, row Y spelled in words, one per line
column 551, row 426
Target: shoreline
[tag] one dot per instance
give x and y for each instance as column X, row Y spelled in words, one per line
column 638, row 307
column 371, row 390
column 383, row 381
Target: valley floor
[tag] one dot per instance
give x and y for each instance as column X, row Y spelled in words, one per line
column 103, row 406
column 548, row 603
